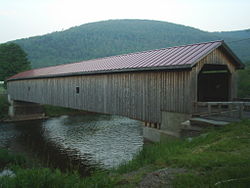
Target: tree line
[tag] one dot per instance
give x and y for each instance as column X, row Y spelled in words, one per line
column 115, row 37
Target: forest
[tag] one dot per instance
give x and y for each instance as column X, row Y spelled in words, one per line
column 114, row 37
column 244, row 82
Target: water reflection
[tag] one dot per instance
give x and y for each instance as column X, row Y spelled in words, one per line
column 7, row 133
column 104, row 140
column 87, row 140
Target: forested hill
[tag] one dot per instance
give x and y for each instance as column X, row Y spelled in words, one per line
column 240, row 43
column 107, row 38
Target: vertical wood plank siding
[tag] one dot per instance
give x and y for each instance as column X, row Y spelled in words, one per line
column 138, row 95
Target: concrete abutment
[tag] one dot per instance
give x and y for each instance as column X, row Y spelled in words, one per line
column 20, row 110
column 170, row 127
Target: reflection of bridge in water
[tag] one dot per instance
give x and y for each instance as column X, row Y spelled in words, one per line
column 158, row 87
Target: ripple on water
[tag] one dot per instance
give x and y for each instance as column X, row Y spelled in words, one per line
column 99, row 139
column 7, row 133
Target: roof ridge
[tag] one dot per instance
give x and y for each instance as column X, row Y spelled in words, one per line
column 146, row 51
column 132, row 53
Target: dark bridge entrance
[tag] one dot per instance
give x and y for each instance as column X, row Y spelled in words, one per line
column 213, row 83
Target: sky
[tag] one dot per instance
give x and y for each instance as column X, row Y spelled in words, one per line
column 26, row 18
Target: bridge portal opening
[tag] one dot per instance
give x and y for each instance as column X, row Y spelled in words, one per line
column 214, row 83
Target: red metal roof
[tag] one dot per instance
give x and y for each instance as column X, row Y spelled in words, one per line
column 168, row 58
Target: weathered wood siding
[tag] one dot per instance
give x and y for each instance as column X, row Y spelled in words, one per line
column 217, row 57
column 139, row 95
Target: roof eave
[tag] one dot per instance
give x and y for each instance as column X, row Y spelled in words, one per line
column 228, row 50
column 234, row 56
column 166, row 68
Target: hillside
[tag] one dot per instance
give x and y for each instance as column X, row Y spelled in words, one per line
column 234, row 34
column 114, row 37
column 239, row 46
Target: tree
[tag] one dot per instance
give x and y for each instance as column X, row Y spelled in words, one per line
column 12, row 60
column 244, row 82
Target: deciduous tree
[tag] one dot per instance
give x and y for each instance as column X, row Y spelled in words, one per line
column 12, row 60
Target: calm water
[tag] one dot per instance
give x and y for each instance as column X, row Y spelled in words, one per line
column 85, row 141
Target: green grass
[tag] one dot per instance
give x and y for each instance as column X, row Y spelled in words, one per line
column 58, row 111
column 2, row 89
column 28, row 174
column 3, row 107
column 219, row 158
column 7, row 159
column 219, row 155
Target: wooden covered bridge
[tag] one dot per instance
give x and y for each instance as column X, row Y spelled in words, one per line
column 159, row 87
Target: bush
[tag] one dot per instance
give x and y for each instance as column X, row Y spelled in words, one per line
column 7, row 159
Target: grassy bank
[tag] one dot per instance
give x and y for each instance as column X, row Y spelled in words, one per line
column 2, row 89
column 52, row 111
column 29, row 174
column 3, row 107
column 219, row 158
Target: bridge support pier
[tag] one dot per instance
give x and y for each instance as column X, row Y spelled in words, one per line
column 169, row 128
column 171, row 122
column 20, row 110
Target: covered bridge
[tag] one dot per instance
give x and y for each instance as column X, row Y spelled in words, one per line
column 151, row 86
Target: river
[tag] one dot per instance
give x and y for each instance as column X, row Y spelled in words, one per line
column 84, row 142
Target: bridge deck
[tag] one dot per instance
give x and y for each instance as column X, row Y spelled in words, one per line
column 223, row 111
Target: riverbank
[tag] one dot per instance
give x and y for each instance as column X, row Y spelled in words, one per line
column 4, row 105
column 55, row 111
column 218, row 158
column 49, row 110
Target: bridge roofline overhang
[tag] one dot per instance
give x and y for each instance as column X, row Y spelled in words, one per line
column 145, row 69
column 167, row 59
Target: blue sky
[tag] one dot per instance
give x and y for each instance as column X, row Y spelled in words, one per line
column 26, row 18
